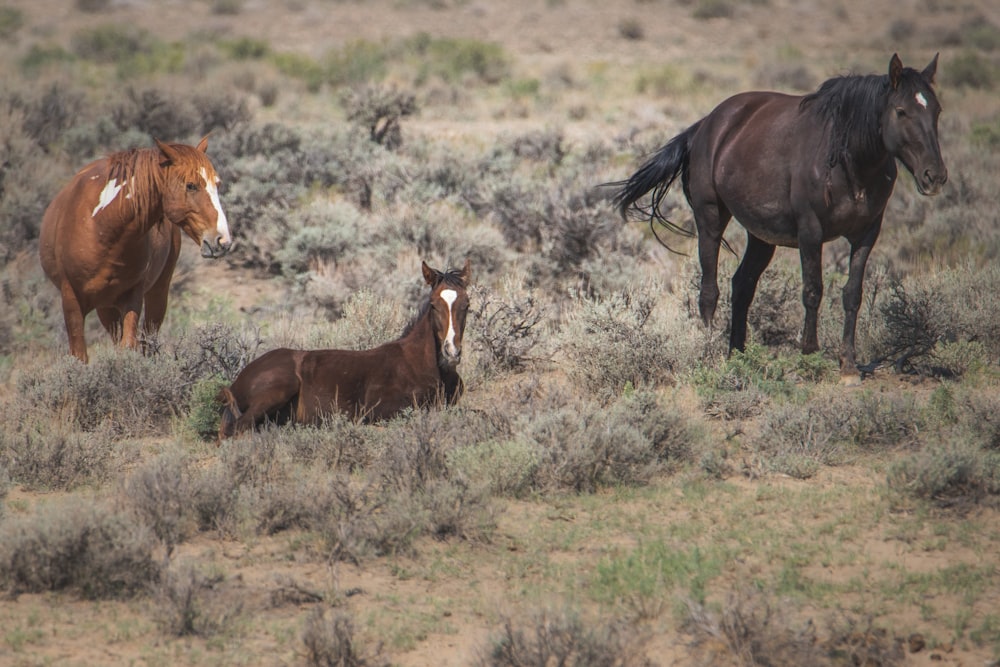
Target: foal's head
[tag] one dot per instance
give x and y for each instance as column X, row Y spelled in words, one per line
column 449, row 303
column 191, row 196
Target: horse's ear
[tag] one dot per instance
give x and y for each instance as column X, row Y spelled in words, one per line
column 203, row 144
column 466, row 274
column 930, row 70
column 167, row 153
column 895, row 71
column 430, row 275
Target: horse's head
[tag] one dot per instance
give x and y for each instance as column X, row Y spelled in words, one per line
column 910, row 124
column 191, row 196
column 449, row 303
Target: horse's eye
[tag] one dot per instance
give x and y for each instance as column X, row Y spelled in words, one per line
column 900, row 112
column 191, row 187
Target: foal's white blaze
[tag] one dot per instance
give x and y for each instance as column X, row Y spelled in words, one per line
column 921, row 100
column 449, row 296
column 221, row 224
column 108, row 194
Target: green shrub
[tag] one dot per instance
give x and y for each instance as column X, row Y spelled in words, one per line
column 41, row 56
column 246, row 48
column 452, row 59
column 971, row 70
column 11, row 20
column 357, row 62
column 300, row 67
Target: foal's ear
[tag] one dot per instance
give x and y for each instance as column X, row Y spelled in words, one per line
column 895, row 71
column 930, row 70
column 203, row 144
column 430, row 275
column 466, row 274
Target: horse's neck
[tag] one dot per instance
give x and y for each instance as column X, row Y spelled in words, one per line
column 421, row 338
column 141, row 197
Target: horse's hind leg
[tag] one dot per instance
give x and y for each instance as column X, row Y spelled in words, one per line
column 755, row 259
column 712, row 220
column 74, row 316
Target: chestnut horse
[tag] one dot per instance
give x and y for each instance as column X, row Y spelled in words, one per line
column 110, row 239
column 798, row 172
column 416, row 370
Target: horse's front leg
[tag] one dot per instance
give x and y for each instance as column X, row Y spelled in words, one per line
column 811, row 255
column 860, row 250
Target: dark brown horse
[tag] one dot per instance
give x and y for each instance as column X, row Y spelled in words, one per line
column 110, row 238
column 798, row 172
column 416, row 370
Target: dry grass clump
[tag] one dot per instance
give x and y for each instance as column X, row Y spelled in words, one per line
column 833, row 428
column 79, row 546
column 750, row 630
column 330, row 642
column 119, row 390
column 159, row 493
column 189, row 603
column 565, row 639
column 954, row 474
column 612, row 344
column 45, row 455
column 582, row 446
column 946, row 323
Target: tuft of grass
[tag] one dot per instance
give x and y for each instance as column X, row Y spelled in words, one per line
column 190, row 603
column 11, row 21
column 645, row 580
column 330, row 641
column 955, row 475
column 564, row 638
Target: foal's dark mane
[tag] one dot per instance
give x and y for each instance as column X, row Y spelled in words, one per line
column 853, row 107
column 451, row 278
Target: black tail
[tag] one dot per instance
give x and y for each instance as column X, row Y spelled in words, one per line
column 658, row 174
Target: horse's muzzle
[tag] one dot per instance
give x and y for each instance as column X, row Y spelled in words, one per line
column 216, row 249
column 931, row 181
column 450, row 357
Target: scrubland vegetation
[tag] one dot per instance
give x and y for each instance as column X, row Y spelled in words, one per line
column 612, row 489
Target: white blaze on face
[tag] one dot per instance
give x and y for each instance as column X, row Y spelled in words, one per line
column 449, row 296
column 921, row 100
column 108, row 194
column 221, row 224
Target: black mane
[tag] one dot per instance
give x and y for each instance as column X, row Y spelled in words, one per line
column 853, row 107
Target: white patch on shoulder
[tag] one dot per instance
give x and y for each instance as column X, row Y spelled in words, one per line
column 108, row 194
column 921, row 100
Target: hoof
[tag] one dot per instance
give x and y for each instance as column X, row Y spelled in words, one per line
column 850, row 380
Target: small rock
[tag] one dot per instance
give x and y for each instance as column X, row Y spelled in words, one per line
column 916, row 642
